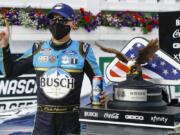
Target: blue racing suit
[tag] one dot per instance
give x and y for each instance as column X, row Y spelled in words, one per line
column 59, row 70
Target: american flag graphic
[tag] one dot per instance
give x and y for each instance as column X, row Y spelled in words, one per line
column 161, row 70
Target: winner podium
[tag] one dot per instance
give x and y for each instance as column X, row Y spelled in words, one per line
column 105, row 121
column 146, row 115
column 135, row 107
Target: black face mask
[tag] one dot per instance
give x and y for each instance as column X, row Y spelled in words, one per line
column 59, row 30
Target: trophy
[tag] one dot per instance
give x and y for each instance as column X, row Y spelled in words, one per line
column 135, row 93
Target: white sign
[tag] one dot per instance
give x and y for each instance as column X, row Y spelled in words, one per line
column 131, row 94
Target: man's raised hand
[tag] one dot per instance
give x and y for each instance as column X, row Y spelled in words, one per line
column 4, row 36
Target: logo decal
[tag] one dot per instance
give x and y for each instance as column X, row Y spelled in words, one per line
column 74, row 60
column 43, row 58
column 52, row 59
column 69, row 52
column 161, row 70
column 178, row 21
column 176, row 34
column 56, row 83
column 176, row 45
column 45, row 51
column 65, row 59
column 134, row 117
column 159, row 119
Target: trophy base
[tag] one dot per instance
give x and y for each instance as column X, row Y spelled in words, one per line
column 139, row 106
column 100, row 120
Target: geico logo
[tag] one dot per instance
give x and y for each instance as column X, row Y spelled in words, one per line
column 134, row 117
column 111, row 115
column 56, row 82
column 91, row 114
column 176, row 45
column 17, row 87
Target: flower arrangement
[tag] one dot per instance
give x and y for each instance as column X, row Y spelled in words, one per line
column 87, row 20
column 36, row 18
column 147, row 21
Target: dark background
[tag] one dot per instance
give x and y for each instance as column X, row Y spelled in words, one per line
column 167, row 26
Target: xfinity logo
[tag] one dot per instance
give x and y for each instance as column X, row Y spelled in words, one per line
column 134, row 117
column 91, row 114
column 177, row 57
column 176, row 34
column 159, row 119
column 111, row 115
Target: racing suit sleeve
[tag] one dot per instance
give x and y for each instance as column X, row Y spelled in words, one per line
column 10, row 68
column 91, row 67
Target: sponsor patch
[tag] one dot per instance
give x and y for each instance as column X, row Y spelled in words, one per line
column 45, row 51
column 69, row 52
column 74, row 60
column 65, row 59
column 43, row 58
column 56, row 83
column 52, row 59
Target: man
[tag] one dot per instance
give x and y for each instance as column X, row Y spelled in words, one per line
column 60, row 65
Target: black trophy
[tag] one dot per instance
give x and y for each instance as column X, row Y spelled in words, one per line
column 136, row 93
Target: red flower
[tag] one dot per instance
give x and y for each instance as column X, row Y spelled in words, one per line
column 141, row 20
column 4, row 11
column 14, row 12
column 127, row 12
column 87, row 18
column 94, row 17
column 148, row 19
column 82, row 10
column 136, row 16
column 39, row 12
column 148, row 27
column 155, row 22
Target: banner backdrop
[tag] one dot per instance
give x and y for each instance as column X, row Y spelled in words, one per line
column 169, row 33
column 17, row 92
